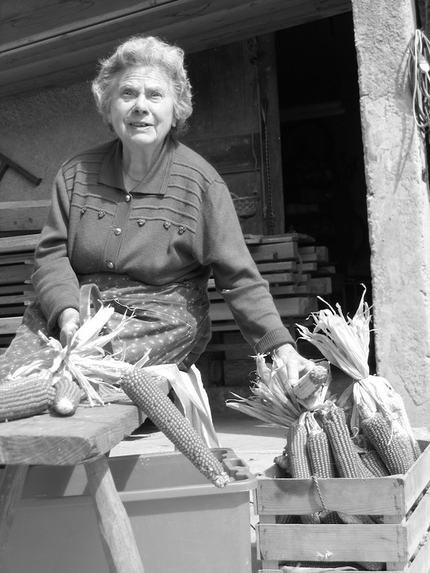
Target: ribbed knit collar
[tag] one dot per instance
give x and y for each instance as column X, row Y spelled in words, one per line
column 154, row 183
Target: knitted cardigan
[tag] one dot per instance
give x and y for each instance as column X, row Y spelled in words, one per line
column 179, row 224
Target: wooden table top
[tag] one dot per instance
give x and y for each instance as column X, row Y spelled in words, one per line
column 50, row 440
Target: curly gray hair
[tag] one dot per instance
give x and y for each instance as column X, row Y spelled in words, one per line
column 146, row 51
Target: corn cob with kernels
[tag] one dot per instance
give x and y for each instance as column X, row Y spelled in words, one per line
column 67, row 397
column 299, row 463
column 372, row 460
column 319, row 450
column 141, row 388
column 311, row 382
column 25, row 396
column 390, row 441
column 344, row 452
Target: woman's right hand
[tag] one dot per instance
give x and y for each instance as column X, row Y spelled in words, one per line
column 68, row 322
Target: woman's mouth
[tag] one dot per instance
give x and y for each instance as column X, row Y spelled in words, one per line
column 139, row 124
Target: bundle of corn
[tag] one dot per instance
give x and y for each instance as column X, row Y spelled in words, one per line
column 272, row 398
column 275, row 400
column 344, row 342
column 82, row 369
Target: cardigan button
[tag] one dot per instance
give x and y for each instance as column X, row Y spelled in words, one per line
column 141, row 222
column 167, row 224
column 181, row 230
column 127, row 198
column 101, row 214
column 83, row 210
column 117, row 231
column 110, row 265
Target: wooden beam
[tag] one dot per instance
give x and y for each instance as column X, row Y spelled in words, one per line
column 23, row 215
column 68, row 57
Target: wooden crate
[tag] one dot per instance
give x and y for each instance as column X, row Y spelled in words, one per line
column 400, row 541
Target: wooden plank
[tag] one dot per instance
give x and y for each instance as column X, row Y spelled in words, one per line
column 287, row 278
column 116, row 534
column 25, row 22
column 48, row 440
column 293, row 306
column 12, row 258
column 9, row 325
column 10, row 492
column 13, row 299
column 390, row 495
column 8, row 289
column 345, row 543
column 321, row 252
column 23, row 215
column 275, row 267
column 19, row 243
column 276, row 251
column 69, row 57
column 11, row 310
column 15, row 273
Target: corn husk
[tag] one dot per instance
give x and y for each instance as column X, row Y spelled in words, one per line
column 86, row 360
column 273, row 399
column 344, row 342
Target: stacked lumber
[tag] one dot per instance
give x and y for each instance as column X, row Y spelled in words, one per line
column 297, row 270
column 16, row 291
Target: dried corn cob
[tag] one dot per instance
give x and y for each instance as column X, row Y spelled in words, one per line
column 319, row 451
column 296, row 450
column 372, row 460
column 297, row 454
column 344, row 452
column 311, row 382
column 67, row 397
column 390, row 441
column 331, row 518
column 26, row 396
column 141, row 388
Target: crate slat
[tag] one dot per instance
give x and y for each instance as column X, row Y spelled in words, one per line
column 344, row 543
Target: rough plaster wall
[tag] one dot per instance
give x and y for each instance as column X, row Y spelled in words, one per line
column 40, row 131
column 398, row 202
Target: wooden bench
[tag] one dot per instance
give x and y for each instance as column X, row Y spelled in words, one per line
column 84, row 438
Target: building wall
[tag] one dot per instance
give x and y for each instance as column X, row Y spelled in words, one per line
column 397, row 201
column 39, row 131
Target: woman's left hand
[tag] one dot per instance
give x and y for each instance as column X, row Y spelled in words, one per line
column 295, row 363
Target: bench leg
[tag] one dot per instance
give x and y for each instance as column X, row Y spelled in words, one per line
column 114, row 525
column 10, row 491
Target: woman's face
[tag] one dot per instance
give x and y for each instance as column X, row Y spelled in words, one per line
column 142, row 108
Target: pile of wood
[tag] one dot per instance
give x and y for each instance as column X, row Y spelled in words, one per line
column 16, row 290
column 298, row 271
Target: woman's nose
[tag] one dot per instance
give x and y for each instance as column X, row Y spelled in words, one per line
column 141, row 104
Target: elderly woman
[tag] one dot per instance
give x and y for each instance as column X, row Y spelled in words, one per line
column 148, row 221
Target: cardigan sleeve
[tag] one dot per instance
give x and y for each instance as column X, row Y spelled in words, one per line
column 54, row 279
column 221, row 245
